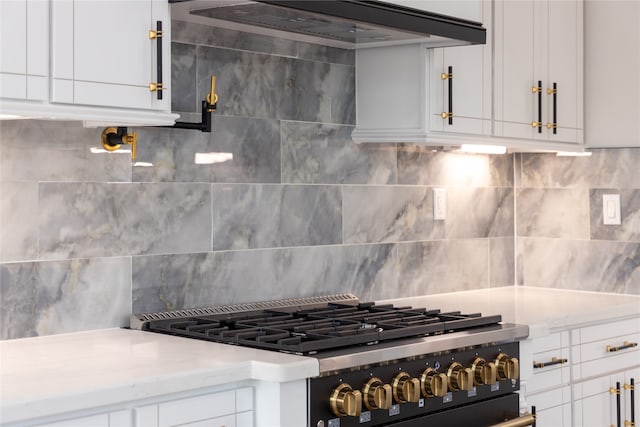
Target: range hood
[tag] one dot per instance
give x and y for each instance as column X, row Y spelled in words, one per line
column 339, row 23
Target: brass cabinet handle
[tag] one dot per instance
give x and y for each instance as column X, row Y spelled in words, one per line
column 554, row 125
column 448, row 114
column 157, row 35
column 631, row 387
column 554, row 361
column 625, row 345
column 538, row 90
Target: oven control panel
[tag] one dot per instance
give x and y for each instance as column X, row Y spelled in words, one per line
column 392, row 391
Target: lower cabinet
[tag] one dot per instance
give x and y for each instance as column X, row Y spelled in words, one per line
column 584, row 376
column 231, row 408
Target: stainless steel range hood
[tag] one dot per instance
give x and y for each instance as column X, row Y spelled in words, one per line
column 339, row 23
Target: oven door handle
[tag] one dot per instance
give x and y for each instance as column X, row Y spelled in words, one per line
column 523, row 421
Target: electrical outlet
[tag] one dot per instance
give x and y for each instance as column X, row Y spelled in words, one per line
column 611, row 209
column 439, row 204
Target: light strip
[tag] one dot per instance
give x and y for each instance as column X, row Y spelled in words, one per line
column 483, row 149
column 573, row 153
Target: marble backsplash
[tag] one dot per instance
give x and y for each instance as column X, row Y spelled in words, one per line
column 299, row 210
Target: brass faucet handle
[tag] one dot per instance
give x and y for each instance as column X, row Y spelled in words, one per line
column 212, row 96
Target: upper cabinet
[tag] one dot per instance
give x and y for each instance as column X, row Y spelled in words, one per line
column 24, row 56
column 538, row 70
column 103, row 62
column 612, row 67
column 523, row 89
column 423, row 95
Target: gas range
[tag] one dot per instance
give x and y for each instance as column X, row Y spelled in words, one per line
column 379, row 364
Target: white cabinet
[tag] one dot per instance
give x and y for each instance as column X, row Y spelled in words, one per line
column 402, row 92
column 112, row 419
column 86, row 60
column 538, row 70
column 612, row 67
column 102, row 54
column 546, row 378
column 24, row 59
column 230, row 408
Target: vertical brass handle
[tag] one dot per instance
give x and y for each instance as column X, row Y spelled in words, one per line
column 157, row 35
column 554, row 125
column 448, row 76
column 538, row 90
column 631, row 387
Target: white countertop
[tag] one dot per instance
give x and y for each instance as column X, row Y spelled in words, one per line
column 70, row 372
column 544, row 310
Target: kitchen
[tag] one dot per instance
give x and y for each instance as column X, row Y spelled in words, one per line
column 88, row 239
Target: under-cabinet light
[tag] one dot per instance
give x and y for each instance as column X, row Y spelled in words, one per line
column 211, row 158
column 143, row 164
column 483, row 149
column 573, row 153
column 12, row 117
column 98, row 150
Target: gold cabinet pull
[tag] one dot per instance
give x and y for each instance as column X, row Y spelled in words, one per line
column 154, row 34
column 153, row 87
column 628, row 423
column 551, row 125
column 448, row 115
column 538, row 90
column 625, row 345
column 554, row 361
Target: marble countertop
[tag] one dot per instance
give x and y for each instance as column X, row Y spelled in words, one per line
column 544, row 310
column 69, row 372
column 63, row 373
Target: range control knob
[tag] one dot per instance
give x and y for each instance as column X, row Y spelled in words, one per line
column 484, row 372
column 405, row 388
column 345, row 401
column 432, row 383
column 508, row 367
column 376, row 395
column 460, row 378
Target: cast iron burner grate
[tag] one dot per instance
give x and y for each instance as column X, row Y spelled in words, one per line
column 308, row 331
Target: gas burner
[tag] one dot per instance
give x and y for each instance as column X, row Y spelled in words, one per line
column 306, row 331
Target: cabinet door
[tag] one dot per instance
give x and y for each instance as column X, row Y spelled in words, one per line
column 564, row 68
column 516, row 106
column 102, row 53
column 23, row 49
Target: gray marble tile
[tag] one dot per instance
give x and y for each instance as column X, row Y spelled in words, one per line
column 18, row 221
column 93, row 219
column 606, row 168
column 320, row 153
column 171, row 282
column 316, row 52
column 629, row 229
column 212, row 36
column 501, row 261
column 342, row 90
column 367, row 271
column 251, row 147
column 553, row 213
column 257, row 85
column 389, row 214
column 442, row 266
column 479, row 212
column 260, row 216
column 586, row 265
column 421, row 166
column 40, row 150
column 43, row 298
column 183, row 78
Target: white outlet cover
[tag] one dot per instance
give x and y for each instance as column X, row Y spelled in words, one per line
column 439, row 204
